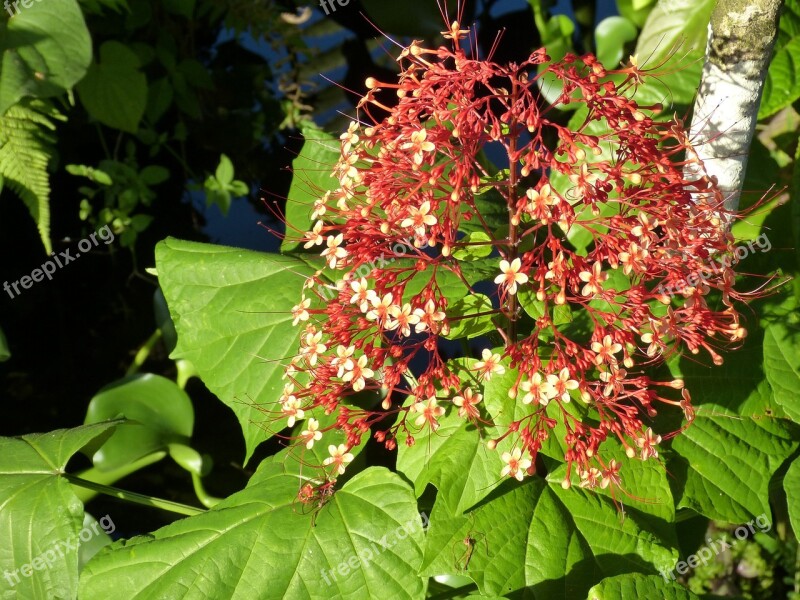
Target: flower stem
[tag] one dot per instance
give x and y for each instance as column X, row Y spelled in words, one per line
column 181, row 509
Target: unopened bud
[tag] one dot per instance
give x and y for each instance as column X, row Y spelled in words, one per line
column 491, row 444
column 371, row 83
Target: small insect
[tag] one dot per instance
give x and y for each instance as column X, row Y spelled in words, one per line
column 462, row 558
column 313, row 495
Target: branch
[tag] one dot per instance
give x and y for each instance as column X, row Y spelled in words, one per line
column 741, row 36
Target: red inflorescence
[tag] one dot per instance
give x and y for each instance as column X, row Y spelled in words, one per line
column 389, row 232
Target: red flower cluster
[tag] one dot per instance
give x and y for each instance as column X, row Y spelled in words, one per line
column 389, row 233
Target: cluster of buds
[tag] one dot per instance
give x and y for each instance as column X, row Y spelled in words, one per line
column 416, row 177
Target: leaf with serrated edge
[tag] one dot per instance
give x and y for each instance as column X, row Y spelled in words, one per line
column 40, row 515
column 232, row 312
column 259, row 544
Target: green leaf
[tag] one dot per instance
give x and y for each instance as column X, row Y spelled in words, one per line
column 782, row 362
column 734, row 411
column 611, row 35
column 635, row 585
column 791, row 483
column 481, row 249
column 455, row 459
column 467, row 326
column 5, row 351
column 232, row 312
column 366, row 541
column 183, row 8
column 554, row 542
column 26, row 147
column 46, row 49
column 782, row 85
column 635, row 10
column 674, row 39
column 224, row 172
column 114, row 91
column 313, row 176
column 41, row 515
column 154, row 174
column 158, row 412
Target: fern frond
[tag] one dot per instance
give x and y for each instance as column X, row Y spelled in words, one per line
column 26, row 146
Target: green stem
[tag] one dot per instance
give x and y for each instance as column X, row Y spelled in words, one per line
column 143, row 353
column 186, row 371
column 181, row 509
column 95, row 475
column 205, row 498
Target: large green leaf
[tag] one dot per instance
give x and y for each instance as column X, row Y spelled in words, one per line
column 727, row 456
column 232, row 312
column 635, row 585
column 673, row 42
column 46, row 49
column 782, row 362
column 159, row 413
column 114, row 91
column 455, row 459
column 40, row 515
column 366, row 541
column 791, row 483
column 313, row 176
column 782, row 85
column 554, row 542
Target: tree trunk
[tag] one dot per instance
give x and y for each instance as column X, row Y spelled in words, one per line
column 741, row 36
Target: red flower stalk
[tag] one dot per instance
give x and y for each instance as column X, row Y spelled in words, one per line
column 388, row 234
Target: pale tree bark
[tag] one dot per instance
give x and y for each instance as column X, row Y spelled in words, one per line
column 741, row 36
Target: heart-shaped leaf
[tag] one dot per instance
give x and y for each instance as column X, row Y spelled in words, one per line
column 159, row 413
column 366, row 541
column 232, row 312
column 40, row 515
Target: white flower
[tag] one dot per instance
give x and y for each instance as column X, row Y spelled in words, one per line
column 511, row 275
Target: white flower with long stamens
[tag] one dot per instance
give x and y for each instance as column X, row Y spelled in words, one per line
column 429, row 316
column 321, row 206
column 312, row 346
column 380, row 308
column 401, row 318
column 606, row 350
column 361, row 295
column 312, row 434
column 538, row 390
column 315, row 237
column 419, row 145
column 300, row 311
column 343, row 354
column 333, row 252
column 489, row 365
column 511, row 275
column 429, row 411
column 593, row 279
column 339, row 457
column 291, row 409
column 357, row 372
column 515, row 464
column 349, row 137
column 419, row 218
column 562, row 384
column 467, row 404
